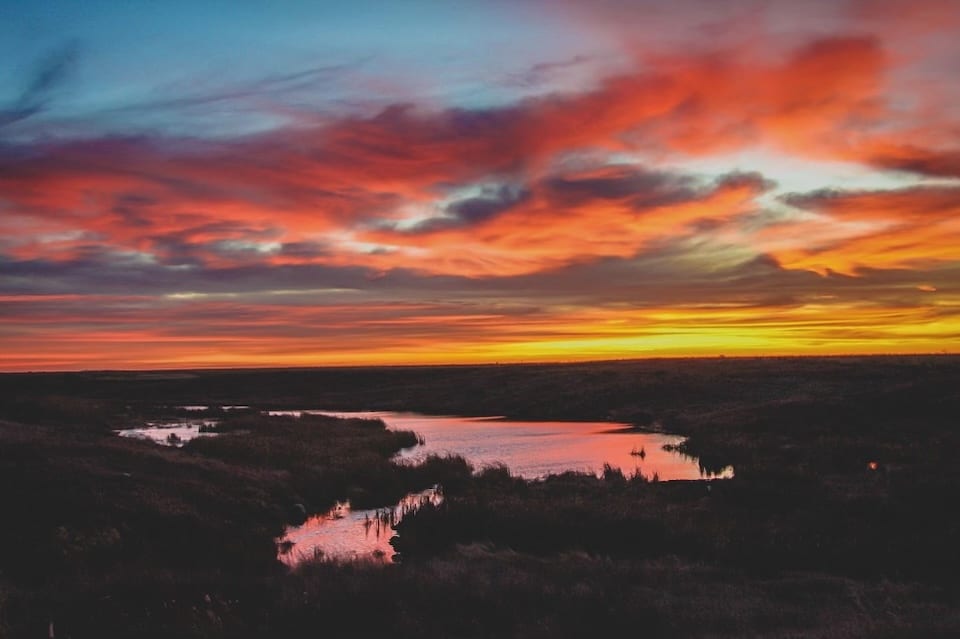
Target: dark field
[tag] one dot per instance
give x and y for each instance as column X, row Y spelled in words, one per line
column 109, row 537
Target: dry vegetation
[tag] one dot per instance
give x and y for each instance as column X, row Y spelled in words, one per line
column 117, row 538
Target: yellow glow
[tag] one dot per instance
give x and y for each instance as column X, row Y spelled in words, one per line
column 571, row 335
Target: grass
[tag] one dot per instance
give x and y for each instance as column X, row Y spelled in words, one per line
column 478, row 591
column 750, row 526
column 95, row 515
column 111, row 537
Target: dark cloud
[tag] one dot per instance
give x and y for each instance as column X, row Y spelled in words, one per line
column 644, row 189
column 922, row 161
column 752, row 180
column 135, row 209
column 913, row 203
column 812, row 200
column 307, row 250
column 491, row 202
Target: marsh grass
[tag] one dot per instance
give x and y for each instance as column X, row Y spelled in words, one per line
column 111, row 537
column 85, row 510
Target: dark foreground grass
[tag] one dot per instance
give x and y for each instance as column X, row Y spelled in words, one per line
column 119, row 538
column 750, row 526
column 479, row 592
column 91, row 517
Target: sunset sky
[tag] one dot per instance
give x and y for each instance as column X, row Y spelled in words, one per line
column 287, row 183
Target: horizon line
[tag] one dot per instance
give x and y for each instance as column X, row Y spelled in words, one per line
column 573, row 362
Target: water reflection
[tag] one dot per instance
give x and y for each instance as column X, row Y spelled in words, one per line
column 346, row 534
column 529, row 449
column 536, row 449
column 174, row 434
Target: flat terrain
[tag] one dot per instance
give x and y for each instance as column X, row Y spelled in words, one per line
column 840, row 522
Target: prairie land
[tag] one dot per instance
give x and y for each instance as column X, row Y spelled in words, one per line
column 839, row 520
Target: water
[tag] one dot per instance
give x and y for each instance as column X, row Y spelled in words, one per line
column 529, row 449
column 533, row 450
column 179, row 432
column 344, row 534
column 174, row 434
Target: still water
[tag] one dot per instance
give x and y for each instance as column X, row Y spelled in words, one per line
column 174, row 433
column 529, row 449
column 534, row 450
column 343, row 533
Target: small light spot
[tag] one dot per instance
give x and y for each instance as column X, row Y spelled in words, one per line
column 927, row 288
column 873, row 465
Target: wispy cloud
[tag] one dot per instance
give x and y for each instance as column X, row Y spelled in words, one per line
column 49, row 74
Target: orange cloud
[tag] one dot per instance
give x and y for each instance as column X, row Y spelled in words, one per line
column 570, row 219
column 236, row 201
column 913, row 227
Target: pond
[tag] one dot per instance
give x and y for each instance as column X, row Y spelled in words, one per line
column 529, row 449
column 533, row 449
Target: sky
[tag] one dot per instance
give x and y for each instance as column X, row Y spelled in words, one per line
column 293, row 183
